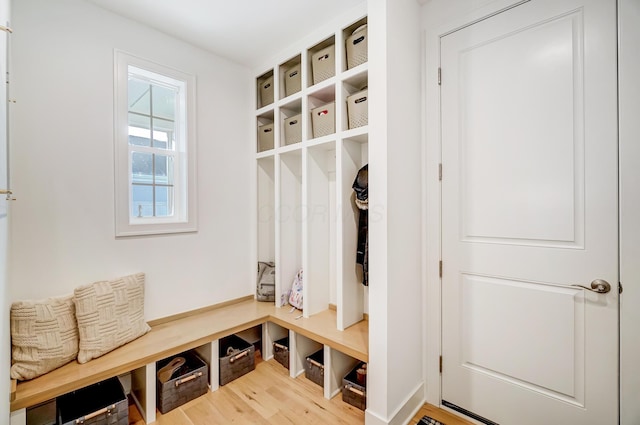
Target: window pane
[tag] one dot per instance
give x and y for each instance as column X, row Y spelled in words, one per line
column 139, row 130
column 142, row 201
column 142, row 167
column 164, row 201
column 139, row 96
column 164, row 102
column 164, row 169
column 163, row 134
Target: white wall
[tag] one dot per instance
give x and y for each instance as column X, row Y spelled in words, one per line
column 63, row 171
column 395, row 213
column 5, row 352
column 629, row 86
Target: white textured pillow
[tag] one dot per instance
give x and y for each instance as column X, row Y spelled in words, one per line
column 109, row 314
column 44, row 336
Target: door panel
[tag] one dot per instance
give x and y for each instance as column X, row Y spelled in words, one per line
column 532, row 191
column 529, row 208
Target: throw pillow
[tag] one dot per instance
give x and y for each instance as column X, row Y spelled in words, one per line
column 109, row 314
column 44, row 336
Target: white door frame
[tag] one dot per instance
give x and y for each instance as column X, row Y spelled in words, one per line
column 436, row 12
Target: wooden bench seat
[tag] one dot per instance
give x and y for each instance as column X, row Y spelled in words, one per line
column 185, row 332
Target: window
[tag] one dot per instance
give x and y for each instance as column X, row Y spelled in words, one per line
column 155, row 148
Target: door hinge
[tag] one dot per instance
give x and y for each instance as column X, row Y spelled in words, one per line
column 440, row 268
column 440, row 364
column 439, row 76
column 440, row 172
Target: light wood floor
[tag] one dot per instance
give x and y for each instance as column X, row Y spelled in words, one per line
column 268, row 396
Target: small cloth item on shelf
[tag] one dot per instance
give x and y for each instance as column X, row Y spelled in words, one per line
column 166, row 372
column 295, row 296
column 44, row 336
column 109, row 314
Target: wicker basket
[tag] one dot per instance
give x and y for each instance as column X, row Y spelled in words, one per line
column 323, row 64
column 293, row 130
column 357, row 46
column 237, row 357
column 103, row 403
column 358, row 109
column 323, row 120
column 353, row 391
column 265, row 90
column 292, row 80
column 265, row 137
column 187, row 383
column 314, row 367
column 281, row 351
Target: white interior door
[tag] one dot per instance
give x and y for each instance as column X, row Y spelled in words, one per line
column 529, row 208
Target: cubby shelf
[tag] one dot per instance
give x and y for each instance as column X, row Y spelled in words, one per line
column 306, row 214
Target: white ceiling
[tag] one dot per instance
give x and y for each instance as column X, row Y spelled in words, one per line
column 246, row 31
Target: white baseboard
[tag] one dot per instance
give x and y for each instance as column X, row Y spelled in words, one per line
column 403, row 414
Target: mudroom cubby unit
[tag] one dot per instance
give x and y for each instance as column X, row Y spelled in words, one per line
column 315, row 161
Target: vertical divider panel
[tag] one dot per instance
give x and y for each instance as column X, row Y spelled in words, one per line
column 18, row 417
column 289, row 220
column 320, row 170
column 210, row 353
column 266, row 209
column 143, row 390
column 280, row 287
column 350, row 289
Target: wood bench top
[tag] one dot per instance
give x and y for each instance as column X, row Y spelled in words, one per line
column 188, row 331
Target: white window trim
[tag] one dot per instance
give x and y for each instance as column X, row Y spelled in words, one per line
column 184, row 221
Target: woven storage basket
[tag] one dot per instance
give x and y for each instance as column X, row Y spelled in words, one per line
column 265, row 90
column 357, row 47
column 358, row 109
column 234, row 364
column 103, row 403
column 293, row 130
column 354, row 392
column 187, row 383
column 323, row 64
column 265, row 137
column 314, row 367
column 323, row 119
column 292, row 80
column 281, row 351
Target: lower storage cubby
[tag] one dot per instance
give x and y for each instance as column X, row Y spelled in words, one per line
column 354, row 387
column 281, row 351
column 103, row 403
column 42, row 414
column 180, row 379
column 237, row 357
column 314, row 367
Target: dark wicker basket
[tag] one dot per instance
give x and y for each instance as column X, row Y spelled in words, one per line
column 353, row 392
column 281, row 351
column 103, row 403
column 187, row 383
column 237, row 357
column 314, row 367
